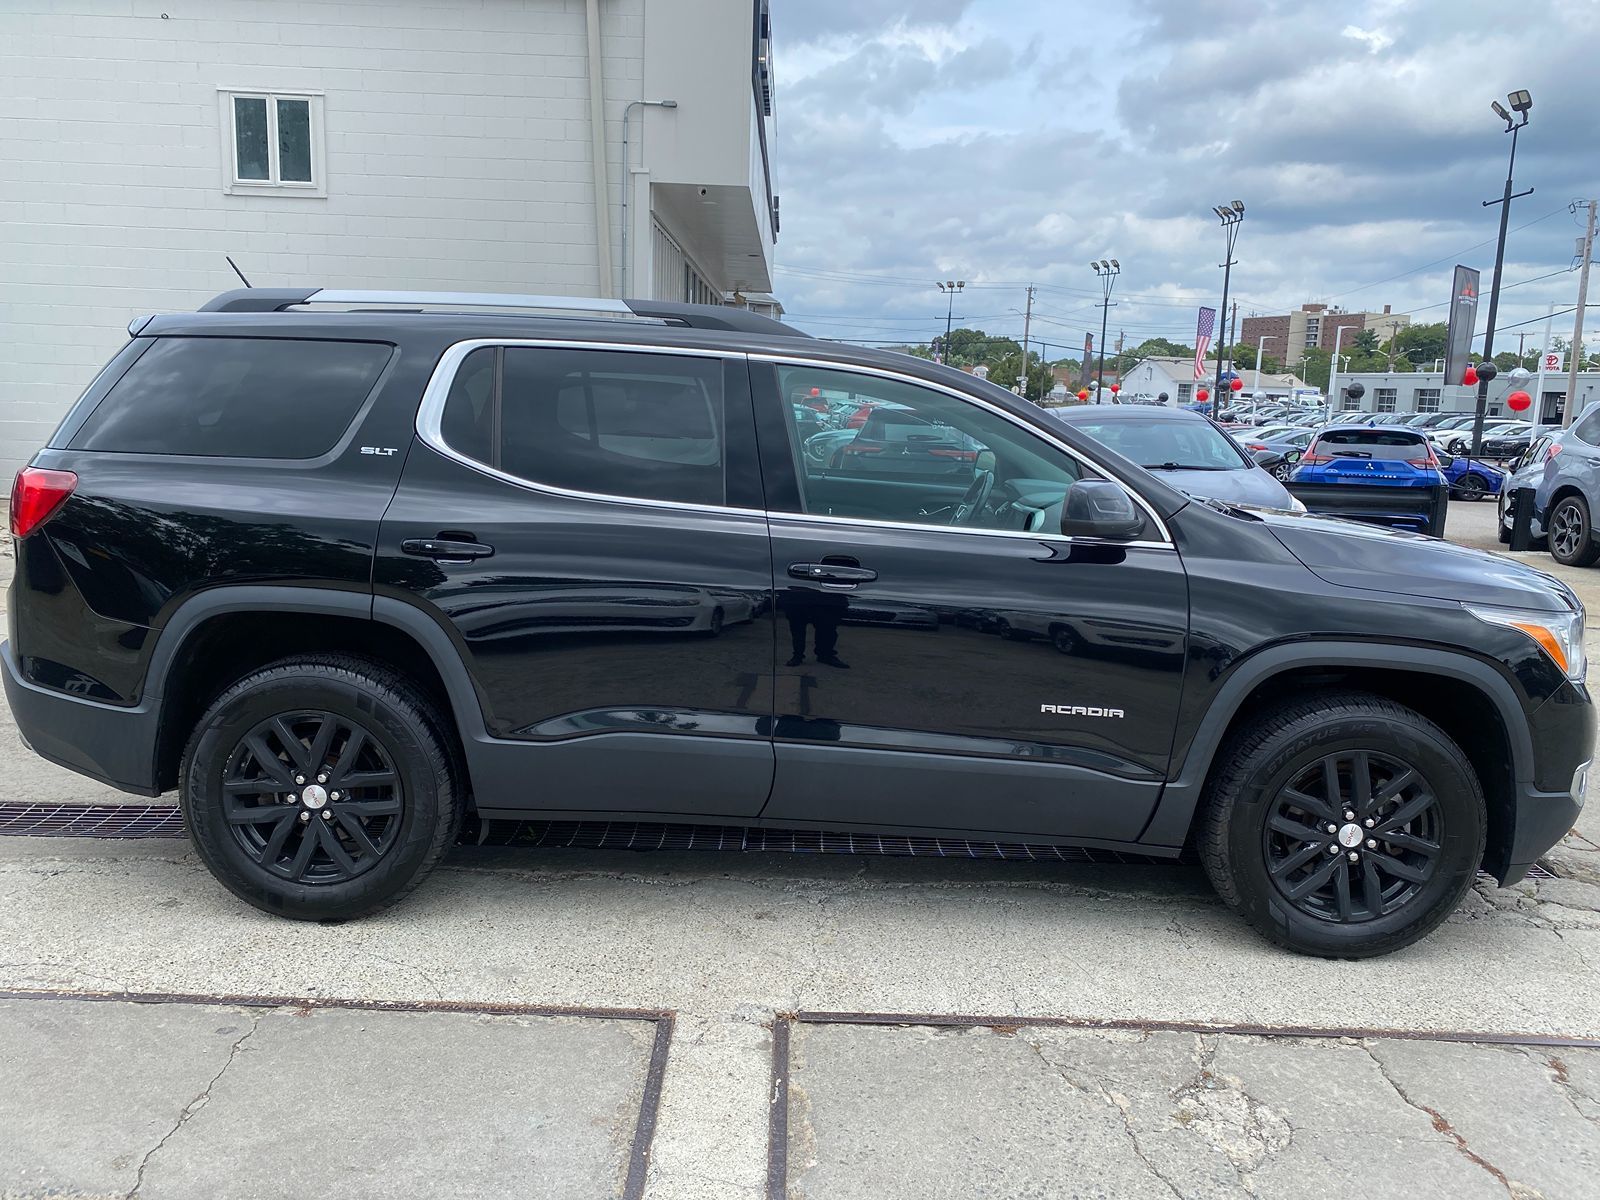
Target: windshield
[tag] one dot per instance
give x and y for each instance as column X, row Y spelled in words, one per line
column 1168, row 444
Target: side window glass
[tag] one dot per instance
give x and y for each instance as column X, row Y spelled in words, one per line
column 1588, row 427
column 882, row 449
column 641, row 426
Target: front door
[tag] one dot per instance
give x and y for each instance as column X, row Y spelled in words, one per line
column 946, row 659
column 585, row 523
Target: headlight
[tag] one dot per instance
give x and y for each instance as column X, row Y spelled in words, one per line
column 1560, row 635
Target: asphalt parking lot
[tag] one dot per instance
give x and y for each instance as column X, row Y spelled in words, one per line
column 597, row 1023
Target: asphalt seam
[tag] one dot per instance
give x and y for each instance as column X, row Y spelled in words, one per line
column 194, row 1106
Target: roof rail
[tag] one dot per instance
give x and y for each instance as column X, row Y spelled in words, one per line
column 693, row 316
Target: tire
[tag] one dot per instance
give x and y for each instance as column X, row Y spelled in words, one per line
column 1571, row 534
column 1249, row 828
column 1471, row 486
column 407, row 806
column 1281, row 472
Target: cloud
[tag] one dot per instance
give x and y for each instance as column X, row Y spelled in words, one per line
column 994, row 140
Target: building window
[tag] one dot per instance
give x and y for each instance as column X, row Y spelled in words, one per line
column 272, row 141
column 1385, row 399
column 1349, row 402
column 1427, row 399
column 1185, row 391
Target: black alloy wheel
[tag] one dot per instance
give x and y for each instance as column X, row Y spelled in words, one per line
column 1353, row 836
column 312, row 797
column 1471, row 487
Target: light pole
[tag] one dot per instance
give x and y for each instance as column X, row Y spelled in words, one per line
column 1230, row 215
column 1333, row 371
column 1256, row 391
column 950, row 287
column 1522, row 103
column 1107, row 269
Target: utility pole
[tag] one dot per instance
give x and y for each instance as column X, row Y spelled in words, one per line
column 951, row 287
column 1523, row 104
column 1107, row 271
column 1575, row 351
column 1230, row 215
column 1027, row 321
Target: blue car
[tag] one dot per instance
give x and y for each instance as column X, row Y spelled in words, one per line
column 1383, row 474
column 1471, row 478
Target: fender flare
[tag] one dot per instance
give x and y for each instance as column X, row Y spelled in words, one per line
column 407, row 618
column 1169, row 825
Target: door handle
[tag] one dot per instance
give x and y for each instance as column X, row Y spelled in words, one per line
column 445, row 549
column 831, row 573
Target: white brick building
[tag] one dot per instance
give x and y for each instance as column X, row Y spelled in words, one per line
column 439, row 144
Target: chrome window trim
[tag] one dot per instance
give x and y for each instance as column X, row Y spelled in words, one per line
column 430, row 415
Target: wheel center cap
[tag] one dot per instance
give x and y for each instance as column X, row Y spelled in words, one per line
column 1349, row 835
column 315, row 796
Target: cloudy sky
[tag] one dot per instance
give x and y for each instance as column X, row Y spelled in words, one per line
column 1012, row 141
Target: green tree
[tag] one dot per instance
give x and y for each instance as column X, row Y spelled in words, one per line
column 1365, row 342
column 1420, row 345
column 1005, row 371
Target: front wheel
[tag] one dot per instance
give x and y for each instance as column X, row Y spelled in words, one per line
column 1471, row 487
column 320, row 788
column 1571, row 535
column 1344, row 826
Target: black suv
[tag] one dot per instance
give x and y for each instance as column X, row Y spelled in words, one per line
column 343, row 568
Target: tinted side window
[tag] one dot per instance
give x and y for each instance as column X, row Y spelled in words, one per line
column 236, row 397
column 1588, row 427
column 645, row 426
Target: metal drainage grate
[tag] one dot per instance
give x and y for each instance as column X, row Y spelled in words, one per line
column 165, row 821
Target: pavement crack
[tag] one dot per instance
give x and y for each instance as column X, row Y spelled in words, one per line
column 1442, row 1125
column 1116, row 1101
column 1562, row 1078
column 193, row 1106
column 1218, row 1107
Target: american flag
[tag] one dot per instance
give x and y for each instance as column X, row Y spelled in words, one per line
column 1202, row 340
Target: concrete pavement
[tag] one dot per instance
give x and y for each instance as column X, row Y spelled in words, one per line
column 728, row 941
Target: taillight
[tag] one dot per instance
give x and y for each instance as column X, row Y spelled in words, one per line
column 958, row 455
column 1312, row 459
column 1254, row 446
column 1555, row 449
column 36, row 494
column 859, row 417
column 853, row 448
column 1430, row 461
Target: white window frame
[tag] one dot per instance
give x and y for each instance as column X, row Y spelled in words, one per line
column 272, row 186
column 1427, row 403
column 1385, row 399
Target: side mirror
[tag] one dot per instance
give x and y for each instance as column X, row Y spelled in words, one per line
column 1293, row 456
column 1099, row 508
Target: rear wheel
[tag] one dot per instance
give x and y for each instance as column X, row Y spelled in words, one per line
column 320, row 788
column 1344, row 826
column 1471, row 487
column 1571, row 535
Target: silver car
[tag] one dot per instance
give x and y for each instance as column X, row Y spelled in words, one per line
column 1563, row 468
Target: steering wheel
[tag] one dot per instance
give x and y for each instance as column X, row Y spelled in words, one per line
column 973, row 502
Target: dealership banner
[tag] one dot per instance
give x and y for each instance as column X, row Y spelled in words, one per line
column 1463, row 316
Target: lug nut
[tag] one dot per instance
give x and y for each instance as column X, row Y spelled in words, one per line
column 333, row 795
column 305, row 816
column 1334, row 849
column 322, row 778
column 299, row 779
column 1371, row 821
column 326, row 815
column 1333, row 829
column 1372, row 843
column 1354, row 857
column 1349, row 816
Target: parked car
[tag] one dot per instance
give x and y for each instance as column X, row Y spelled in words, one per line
column 1501, row 439
column 1563, row 468
column 299, row 557
column 1471, row 479
column 1278, row 450
column 1387, row 475
column 1185, row 449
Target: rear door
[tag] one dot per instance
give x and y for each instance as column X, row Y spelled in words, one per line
column 585, row 524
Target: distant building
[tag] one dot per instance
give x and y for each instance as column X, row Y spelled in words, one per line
column 1175, row 376
column 1288, row 334
column 1425, row 391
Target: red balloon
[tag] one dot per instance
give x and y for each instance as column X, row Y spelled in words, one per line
column 1116, row 387
column 1236, row 384
column 1470, row 376
column 1202, row 395
column 1083, row 395
column 1518, row 401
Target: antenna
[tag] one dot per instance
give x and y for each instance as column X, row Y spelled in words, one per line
column 236, row 270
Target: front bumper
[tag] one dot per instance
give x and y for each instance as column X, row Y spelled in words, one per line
column 112, row 744
column 1562, row 729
